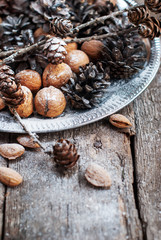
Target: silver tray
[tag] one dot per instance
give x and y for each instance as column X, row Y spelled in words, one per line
column 119, row 95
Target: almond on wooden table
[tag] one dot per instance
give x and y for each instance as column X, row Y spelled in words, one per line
column 11, row 150
column 98, row 176
column 119, row 121
column 27, row 141
column 10, row 177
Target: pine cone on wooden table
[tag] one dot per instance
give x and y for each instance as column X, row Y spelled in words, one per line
column 65, row 153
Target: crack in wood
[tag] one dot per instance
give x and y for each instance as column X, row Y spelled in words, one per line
column 135, row 188
column 4, row 215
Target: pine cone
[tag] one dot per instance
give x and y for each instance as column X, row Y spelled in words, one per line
column 44, row 11
column 137, row 14
column 15, row 32
column 65, row 153
column 150, row 28
column 153, row 5
column 15, row 6
column 88, row 87
column 54, row 50
column 11, row 91
column 124, row 54
column 61, row 26
column 4, row 7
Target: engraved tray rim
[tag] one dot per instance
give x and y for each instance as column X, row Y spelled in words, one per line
column 118, row 100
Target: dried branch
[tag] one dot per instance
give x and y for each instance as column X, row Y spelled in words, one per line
column 35, row 46
column 7, row 53
column 21, row 52
column 101, row 19
column 33, row 135
column 97, row 37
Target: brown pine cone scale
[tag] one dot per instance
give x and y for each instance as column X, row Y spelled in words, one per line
column 137, row 14
column 11, row 91
column 65, row 153
column 153, row 5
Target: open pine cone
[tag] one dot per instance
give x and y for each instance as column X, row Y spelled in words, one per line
column 88, row 87
column 11, row 91
column 65, row 153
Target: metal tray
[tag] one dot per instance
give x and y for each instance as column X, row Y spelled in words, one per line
column 119, row 95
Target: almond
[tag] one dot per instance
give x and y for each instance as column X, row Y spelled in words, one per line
column 11, row 151
column 10, row 177
column 27, row 141
column 120, row 121
column 97, row 176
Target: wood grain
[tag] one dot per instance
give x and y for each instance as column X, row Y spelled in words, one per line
column 4, row 138
column 148, row 158
column 51, row 204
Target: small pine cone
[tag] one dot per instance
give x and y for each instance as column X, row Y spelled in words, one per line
column 150, row 28
column 54, row 50
column 65, row 153
column 61, row 26
column 137, row 14
column 153, row 5
column 11, row 91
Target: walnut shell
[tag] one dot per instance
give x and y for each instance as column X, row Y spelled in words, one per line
column 27, row 141
column 50, row 102
column 76, row 59
column 92, row 48
column 56, row 75
column 71, row 46
column 11, row 150
column 30, row 79
column 26, row 108
column 2, row 104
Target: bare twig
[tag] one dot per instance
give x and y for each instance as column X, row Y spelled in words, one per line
column 21, row 52
column 96, row 37
column 33, row 135
column 35, row 46
column 101, row 19
column 7, row 53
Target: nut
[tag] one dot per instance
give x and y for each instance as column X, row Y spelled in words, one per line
column 119, row 121
column 26, row 108
column 2, row 104
column 27, row 141
column 92, row 48
column 11, row 151
column 50, row 102
column 97, row 176
column 30, row 79
column 39, row 32
column 71, row 46
column 10, row 177
column 76, row 59
column 56, row 75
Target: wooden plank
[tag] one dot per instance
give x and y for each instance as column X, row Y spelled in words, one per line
column 3, row 139
column 51, row 204
column 148, row 158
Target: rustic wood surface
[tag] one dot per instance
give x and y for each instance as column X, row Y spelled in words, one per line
column 148, row 158
column 51, row 204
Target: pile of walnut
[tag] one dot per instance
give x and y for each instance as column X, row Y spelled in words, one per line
column 65, row 155
column 44, row 92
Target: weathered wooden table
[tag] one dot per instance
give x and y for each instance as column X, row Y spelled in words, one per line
column 63, row 206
